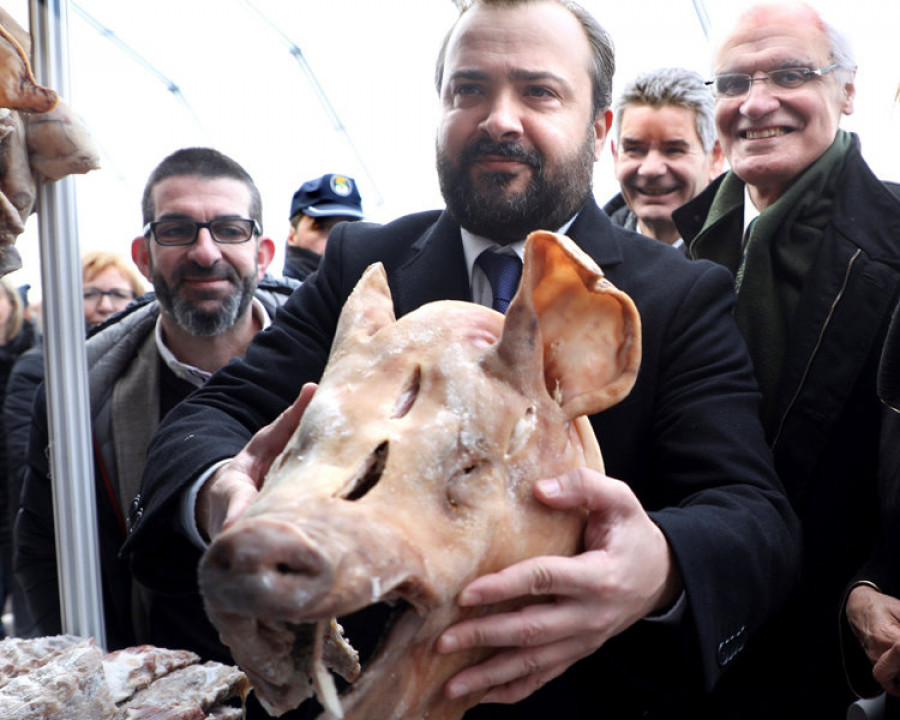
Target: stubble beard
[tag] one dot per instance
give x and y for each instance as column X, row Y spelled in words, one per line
column 195, row 319
column 491, row 210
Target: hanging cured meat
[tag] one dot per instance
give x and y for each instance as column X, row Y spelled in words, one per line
column 41, row 139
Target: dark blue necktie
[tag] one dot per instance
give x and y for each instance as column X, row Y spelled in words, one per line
column 504, row 272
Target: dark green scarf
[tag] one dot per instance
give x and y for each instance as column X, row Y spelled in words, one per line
column 783, row 243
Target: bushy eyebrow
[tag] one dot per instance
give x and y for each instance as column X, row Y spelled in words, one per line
column 677, row 142
column 517, row 74
column 539, row 76
column 467, row 75
column 175, row 216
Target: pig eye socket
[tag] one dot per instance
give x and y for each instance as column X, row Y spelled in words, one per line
column 408, row 395
column 466, row 485
column 369, row 475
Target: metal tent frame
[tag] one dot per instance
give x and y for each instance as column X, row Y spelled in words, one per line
column 65, row 360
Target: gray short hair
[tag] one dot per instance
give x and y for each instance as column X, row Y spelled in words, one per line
column 201, row 162
column 677, row 87
column 603, row 65
column 840, row 50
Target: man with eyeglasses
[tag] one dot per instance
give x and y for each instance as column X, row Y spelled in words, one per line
column 109, row 283
column 811, row 236
column 203, row 250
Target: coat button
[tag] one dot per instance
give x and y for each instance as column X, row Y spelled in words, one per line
column 722, row 655
column 134, row 517
column 730, row 647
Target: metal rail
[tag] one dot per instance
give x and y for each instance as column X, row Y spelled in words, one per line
column 65, row 360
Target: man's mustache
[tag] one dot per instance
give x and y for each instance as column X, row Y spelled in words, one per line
column 488, row 148
column 218, row 271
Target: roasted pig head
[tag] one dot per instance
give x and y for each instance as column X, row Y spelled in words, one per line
column 411, row 474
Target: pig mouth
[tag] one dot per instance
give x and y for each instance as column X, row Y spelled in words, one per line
column 379, row 632
column 338, row 641
column 322, row 663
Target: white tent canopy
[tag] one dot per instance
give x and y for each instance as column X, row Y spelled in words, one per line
column 226, row 73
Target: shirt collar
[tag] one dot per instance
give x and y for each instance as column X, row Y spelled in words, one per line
column 474, row 245
column 190, row 373
column 750, row 210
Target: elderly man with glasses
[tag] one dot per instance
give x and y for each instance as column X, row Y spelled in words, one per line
column 203, row 250
column 812, row 238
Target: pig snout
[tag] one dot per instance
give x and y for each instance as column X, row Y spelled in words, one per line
column 265, row 568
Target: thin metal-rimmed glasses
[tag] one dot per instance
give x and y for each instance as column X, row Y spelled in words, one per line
column 738, row 84
column 116, row 297
column 225, row 231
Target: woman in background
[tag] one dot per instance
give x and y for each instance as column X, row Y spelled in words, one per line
column 16, row 336
column 109, row 283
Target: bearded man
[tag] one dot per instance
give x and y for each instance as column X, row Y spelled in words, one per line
column 203, row 250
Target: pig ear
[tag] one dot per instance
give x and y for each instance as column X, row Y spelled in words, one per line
column 589, row 331
column 368, row 309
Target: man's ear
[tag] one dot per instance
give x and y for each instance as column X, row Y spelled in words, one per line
column 849, row 90
column 140, row 254
column 602, row 124
column 716, row 161
column 265, row 251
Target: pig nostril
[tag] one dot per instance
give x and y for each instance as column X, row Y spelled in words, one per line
column 370, row 473
column 285, row 569
column 218, row 557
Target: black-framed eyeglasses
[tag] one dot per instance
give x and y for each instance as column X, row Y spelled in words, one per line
column 738, row 84
column 226, row 231
column 116, row 297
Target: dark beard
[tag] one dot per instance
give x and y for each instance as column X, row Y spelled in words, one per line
column 491, row 211
column 204, row 323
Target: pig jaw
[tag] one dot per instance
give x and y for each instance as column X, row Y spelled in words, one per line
column 405, row 681
column 271, row 589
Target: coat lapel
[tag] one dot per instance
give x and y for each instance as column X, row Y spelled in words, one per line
column 839, row 324
column 135, row 417
column 435, row 269
column 595, row 233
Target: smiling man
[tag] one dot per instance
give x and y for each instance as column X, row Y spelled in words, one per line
column 203, row 250
column 665, row 151
column 818, row 273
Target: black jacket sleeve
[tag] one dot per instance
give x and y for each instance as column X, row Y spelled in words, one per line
column 27, row 374
column 34, row 559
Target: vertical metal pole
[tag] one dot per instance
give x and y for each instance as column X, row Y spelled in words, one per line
column 71, row 460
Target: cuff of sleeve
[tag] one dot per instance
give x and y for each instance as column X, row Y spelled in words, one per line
column 188, row 508
column 857, row 668
column 673, row 615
